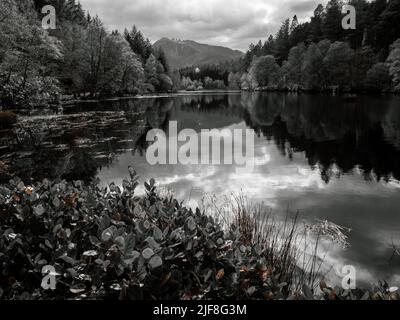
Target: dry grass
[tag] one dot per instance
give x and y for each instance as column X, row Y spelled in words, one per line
column 289, row 248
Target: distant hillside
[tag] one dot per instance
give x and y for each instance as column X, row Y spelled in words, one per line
column 188, row 53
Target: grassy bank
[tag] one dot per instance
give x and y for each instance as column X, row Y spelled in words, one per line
column 111, row 244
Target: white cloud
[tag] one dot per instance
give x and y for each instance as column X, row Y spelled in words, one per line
column 233, row 23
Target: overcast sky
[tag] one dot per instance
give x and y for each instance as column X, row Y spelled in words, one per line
column 232, row 23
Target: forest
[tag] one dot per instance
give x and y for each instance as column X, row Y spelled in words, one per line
column 319, row 54
column 80, row 57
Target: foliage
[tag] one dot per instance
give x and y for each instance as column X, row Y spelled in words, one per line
column 234, row 81
column 378, row 78
column 394, row 64
column 338, row 61
column 213, row 84
column 333, row 56
column 107, row 243
column 27, row 56
column 264, row 70
column 292, row 69
column 79, row 57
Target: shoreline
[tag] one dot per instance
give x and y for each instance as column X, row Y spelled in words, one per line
column 70, row 102
column 152, row 96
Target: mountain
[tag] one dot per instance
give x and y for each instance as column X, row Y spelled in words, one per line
column 187, row 53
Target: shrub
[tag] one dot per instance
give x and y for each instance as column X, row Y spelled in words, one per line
column 107, row 243
column 191, row 88
column 378, row 78
column 7, row 119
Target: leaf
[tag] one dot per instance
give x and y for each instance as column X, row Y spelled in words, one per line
column 191, row 224
column 108, row 234
column 147, row 253
column 39, row 210
column 94, row 241
column 250, row 291
column 220, row 274
column 116, row 287
column 67, row 259
column 78, row 288
column 155, row 262
column 48, row 244
column 56, row 202
column 152, row 243
column 29, row 191
column 158, row 234
column 16, row 198
column 138, row 211
column 90, row 253
column 120, row 242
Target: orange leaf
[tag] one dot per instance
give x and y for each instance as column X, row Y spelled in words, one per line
column 220, row 274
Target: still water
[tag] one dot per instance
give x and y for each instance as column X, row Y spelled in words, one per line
column 327, row 157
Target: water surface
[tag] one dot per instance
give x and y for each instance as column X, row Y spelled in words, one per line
column 325, row 156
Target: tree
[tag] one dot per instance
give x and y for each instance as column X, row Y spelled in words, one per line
column 292, row 69
column 359, row 36
column 234, row 81
column 248, row 82
column 265, row 71
column 269, row 46
column 316, row 24
column 294, row 24
column 166, row 83
column 332, row 23
column 378, row 78
column 28, row 56
column 298, row 33
column 121, row 68
column 313, row 68
column 141, row 46
column 338, row 62
column 176, row 80
column 152, row 71
column 364, row 59
column 394, row 64
column 282, row 44
column 95, row 39
column 75, row 67
column 389, row 26
column 187, row 83
column 162, row 58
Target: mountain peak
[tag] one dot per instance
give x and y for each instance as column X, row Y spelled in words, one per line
column 187, row 53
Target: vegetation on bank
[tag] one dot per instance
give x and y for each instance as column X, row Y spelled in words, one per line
column 83, row 59
column 319, row 54
column 80, row 57
column 108, row 243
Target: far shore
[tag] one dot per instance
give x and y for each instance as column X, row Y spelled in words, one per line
column 150, row 96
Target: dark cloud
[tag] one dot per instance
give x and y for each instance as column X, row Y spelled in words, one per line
column 233, row 23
